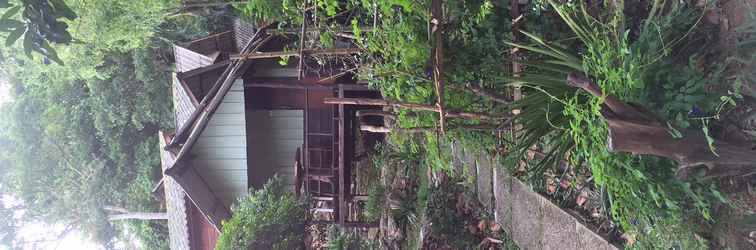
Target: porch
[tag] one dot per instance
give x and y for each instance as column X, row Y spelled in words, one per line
column 323, row 151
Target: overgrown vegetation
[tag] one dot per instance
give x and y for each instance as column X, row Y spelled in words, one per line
column 644, row 197
column 268, row 218
column 88, row 125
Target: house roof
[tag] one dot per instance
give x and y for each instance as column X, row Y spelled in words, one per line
column 184, row 102
column 189, row 131
column 181, row 181
column 175, row 202
column 187, row 59
column 220, row 42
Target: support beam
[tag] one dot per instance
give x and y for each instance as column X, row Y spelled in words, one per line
column 199, row 71
column 342, row 165
column 307, row 52
column 385, row 130
column 412, row 106
column 302, row 36
column 437, row 20
column 288, row 85
column 307, row 86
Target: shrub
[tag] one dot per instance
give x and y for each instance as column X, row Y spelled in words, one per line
column 269, row 218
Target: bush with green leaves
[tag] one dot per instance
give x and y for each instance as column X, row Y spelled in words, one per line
column 268, row 218
column 346, row 239
column 643, row 196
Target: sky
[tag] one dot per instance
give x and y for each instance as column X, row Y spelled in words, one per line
column 39, row 231
column 4, row 95
column 35, row 231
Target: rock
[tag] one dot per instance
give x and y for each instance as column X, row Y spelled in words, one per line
column 484, row 181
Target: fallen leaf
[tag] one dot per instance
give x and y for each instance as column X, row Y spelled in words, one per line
column 581, row 199
column 595, row 213
column 551, row 188
column 494, row 227
column 482, row 224
column 629, row 239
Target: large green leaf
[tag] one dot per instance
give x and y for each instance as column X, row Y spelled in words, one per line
column 49, row 51
column 62, row 9
column 9, row 24
column 10, row 12
column 28, row 43
column 14, row 35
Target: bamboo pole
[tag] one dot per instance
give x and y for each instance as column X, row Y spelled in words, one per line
column 364, row 113
column 307, row 52
column 302, row 36
column 438, row 60
column 412, row 106
column 385, row 130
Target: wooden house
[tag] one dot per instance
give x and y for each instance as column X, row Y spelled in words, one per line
column 242, row 117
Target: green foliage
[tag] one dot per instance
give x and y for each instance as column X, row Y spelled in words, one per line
column 745, row 54
column 41, row 25
column 644, row 196
column 268, row 218
column 268, row 11
column 442, row 202
column 375, row 203
column 88, row 127
column 340, row 239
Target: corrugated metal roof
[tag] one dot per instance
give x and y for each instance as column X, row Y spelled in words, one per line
column 175, row 202
column 184, row 103
column 222, row 42
column 187, row 59
column 243, row 33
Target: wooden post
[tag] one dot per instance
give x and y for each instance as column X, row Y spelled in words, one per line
column 412, row 106
column 342, row 165
column 302, row 35
column 437, row 20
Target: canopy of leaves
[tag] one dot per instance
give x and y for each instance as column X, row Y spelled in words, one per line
column 269, row 218
column 81, row 136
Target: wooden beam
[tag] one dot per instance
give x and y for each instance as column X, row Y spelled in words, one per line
column 381, row 113
column 309, row 86
column 384, row 130
column 289, row 85
column 412, row 106
column 199, row 71
column 302, row 36
column 307, row 52
column 342, row 165
column 437, row 20
column 306, row 146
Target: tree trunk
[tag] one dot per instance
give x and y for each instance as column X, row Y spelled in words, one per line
column 633, row 129
column 138, row 216
column 125, row 214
